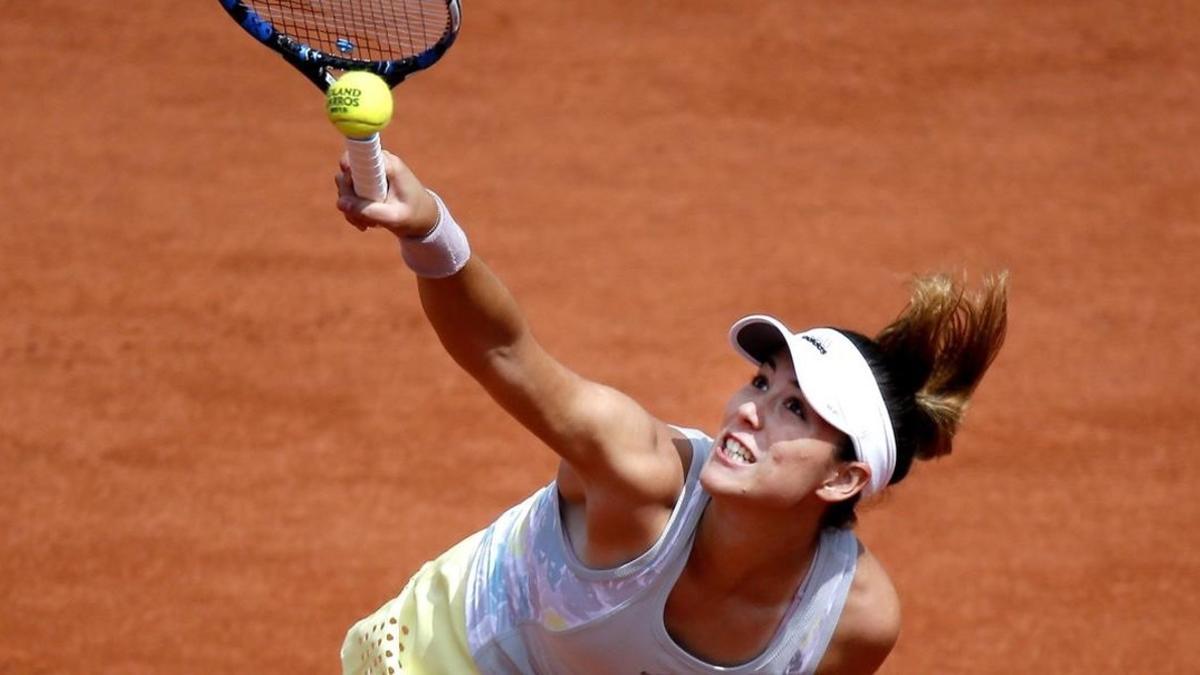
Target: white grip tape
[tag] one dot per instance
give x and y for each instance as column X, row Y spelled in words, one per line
column 366, row 167
column 440, row 253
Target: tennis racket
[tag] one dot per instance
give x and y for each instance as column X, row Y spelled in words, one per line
column 324, row 38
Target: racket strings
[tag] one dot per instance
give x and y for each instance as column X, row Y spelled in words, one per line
column 369, row 30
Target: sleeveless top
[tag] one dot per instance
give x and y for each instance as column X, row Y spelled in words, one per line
column 532, row 607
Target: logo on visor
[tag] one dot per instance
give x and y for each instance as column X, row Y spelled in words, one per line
column 815, row 342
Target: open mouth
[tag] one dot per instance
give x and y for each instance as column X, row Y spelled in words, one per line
column 733, row 449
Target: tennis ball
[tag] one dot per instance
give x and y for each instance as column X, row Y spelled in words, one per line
column 359, row 104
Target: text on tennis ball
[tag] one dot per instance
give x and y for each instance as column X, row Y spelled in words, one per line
column 344, row 99
column 359, row 104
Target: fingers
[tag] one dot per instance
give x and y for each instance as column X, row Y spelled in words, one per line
column 349, row 203
column 405, row 210
column 393, row 214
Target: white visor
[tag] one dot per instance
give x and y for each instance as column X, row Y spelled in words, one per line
column 836, row 380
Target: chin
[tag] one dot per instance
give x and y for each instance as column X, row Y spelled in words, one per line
column 717, row 479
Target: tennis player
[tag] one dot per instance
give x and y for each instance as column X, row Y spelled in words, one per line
column 658, row 549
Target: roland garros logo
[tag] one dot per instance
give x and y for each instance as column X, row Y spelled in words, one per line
column 343, row 99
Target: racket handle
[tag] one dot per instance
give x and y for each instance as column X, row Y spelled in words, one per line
column 366, row 167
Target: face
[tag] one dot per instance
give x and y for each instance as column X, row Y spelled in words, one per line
column 772, row 447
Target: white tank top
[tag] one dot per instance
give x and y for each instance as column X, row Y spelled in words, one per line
column 533, row 608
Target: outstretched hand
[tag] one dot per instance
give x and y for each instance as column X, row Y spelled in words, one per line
column 408, row 210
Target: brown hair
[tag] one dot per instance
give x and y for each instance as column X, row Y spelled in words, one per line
column 927, row 363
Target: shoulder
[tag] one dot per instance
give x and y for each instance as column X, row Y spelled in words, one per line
column 612, row 521
column 656, row 476
column 870, row 621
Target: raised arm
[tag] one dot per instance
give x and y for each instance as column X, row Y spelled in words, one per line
column 623, row 456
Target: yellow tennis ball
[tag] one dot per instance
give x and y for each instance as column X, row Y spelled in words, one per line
column 359, row 104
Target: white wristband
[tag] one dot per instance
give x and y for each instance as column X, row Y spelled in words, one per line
column 442, row 252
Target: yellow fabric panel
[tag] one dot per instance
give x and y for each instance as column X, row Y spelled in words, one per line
column 423, row 631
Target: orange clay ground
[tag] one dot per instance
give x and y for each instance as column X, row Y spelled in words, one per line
column 227, row 431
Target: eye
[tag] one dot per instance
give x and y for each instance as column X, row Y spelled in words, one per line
column 759, row 382
column 794, row 405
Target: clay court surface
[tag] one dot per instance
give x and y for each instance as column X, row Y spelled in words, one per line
column 227, row 432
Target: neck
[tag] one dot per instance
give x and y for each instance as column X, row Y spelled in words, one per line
column 755, row 552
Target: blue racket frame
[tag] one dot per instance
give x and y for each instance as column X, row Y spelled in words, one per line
column 316, row 65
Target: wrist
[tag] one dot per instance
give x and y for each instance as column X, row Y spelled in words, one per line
column 428, row 212
column 440, row 252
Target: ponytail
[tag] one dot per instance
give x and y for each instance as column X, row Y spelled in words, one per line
column 927, row 363
column 937, row 351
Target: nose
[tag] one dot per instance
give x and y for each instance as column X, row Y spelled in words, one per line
column 748, row 412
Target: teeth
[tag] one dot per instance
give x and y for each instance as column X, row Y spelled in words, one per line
column 736, row 450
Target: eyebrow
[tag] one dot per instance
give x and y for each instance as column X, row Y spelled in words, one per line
column 770, row 362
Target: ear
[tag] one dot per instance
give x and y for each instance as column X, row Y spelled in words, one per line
column 846, row 480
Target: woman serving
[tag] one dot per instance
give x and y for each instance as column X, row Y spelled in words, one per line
column 659, row 549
